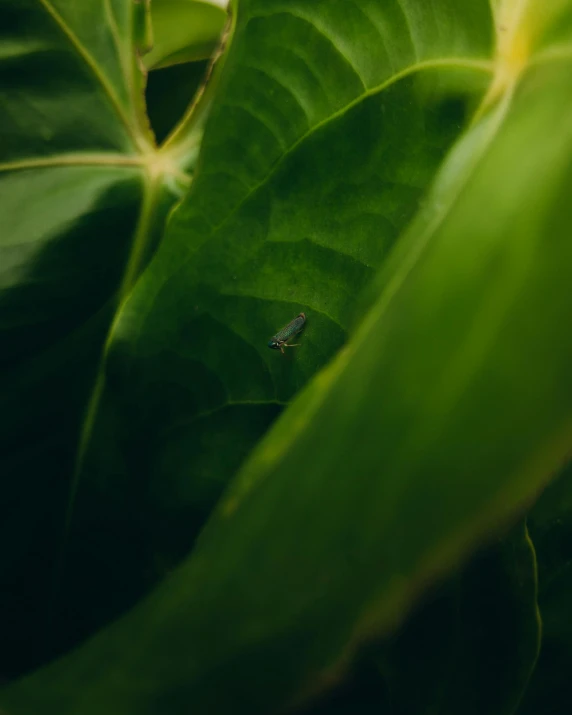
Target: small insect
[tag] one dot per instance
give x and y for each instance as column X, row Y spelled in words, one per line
column 280, row 340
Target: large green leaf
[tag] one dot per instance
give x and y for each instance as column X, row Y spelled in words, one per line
column 550, row 689
column 472, row 647
column 276, row 221
column 444, row 413
column 84, row 195
column 183, row 31
column 469, row 648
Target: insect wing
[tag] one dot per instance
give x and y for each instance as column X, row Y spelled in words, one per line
column 293, row 327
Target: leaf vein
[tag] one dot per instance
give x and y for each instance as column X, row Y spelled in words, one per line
column 380, row 30
column 116, row 36
column 281, row 299
column 417, row 251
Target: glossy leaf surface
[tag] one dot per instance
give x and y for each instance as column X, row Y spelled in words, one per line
column 183, row 31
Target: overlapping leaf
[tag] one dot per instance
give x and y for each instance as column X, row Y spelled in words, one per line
column 473, row 646
column 551, row 526
column 82, row 206
column 470, row 647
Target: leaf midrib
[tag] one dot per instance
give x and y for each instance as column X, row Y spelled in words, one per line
column 446, row 63
column 452, row 63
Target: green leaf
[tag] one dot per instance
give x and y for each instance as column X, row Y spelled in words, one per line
column 363, row 693
column 167, row 94
column 191, row 383
column 83, row 203
column 550, row 689
column 183, row 31
column 442, row 415
column 473, row 646
column 142, row 26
